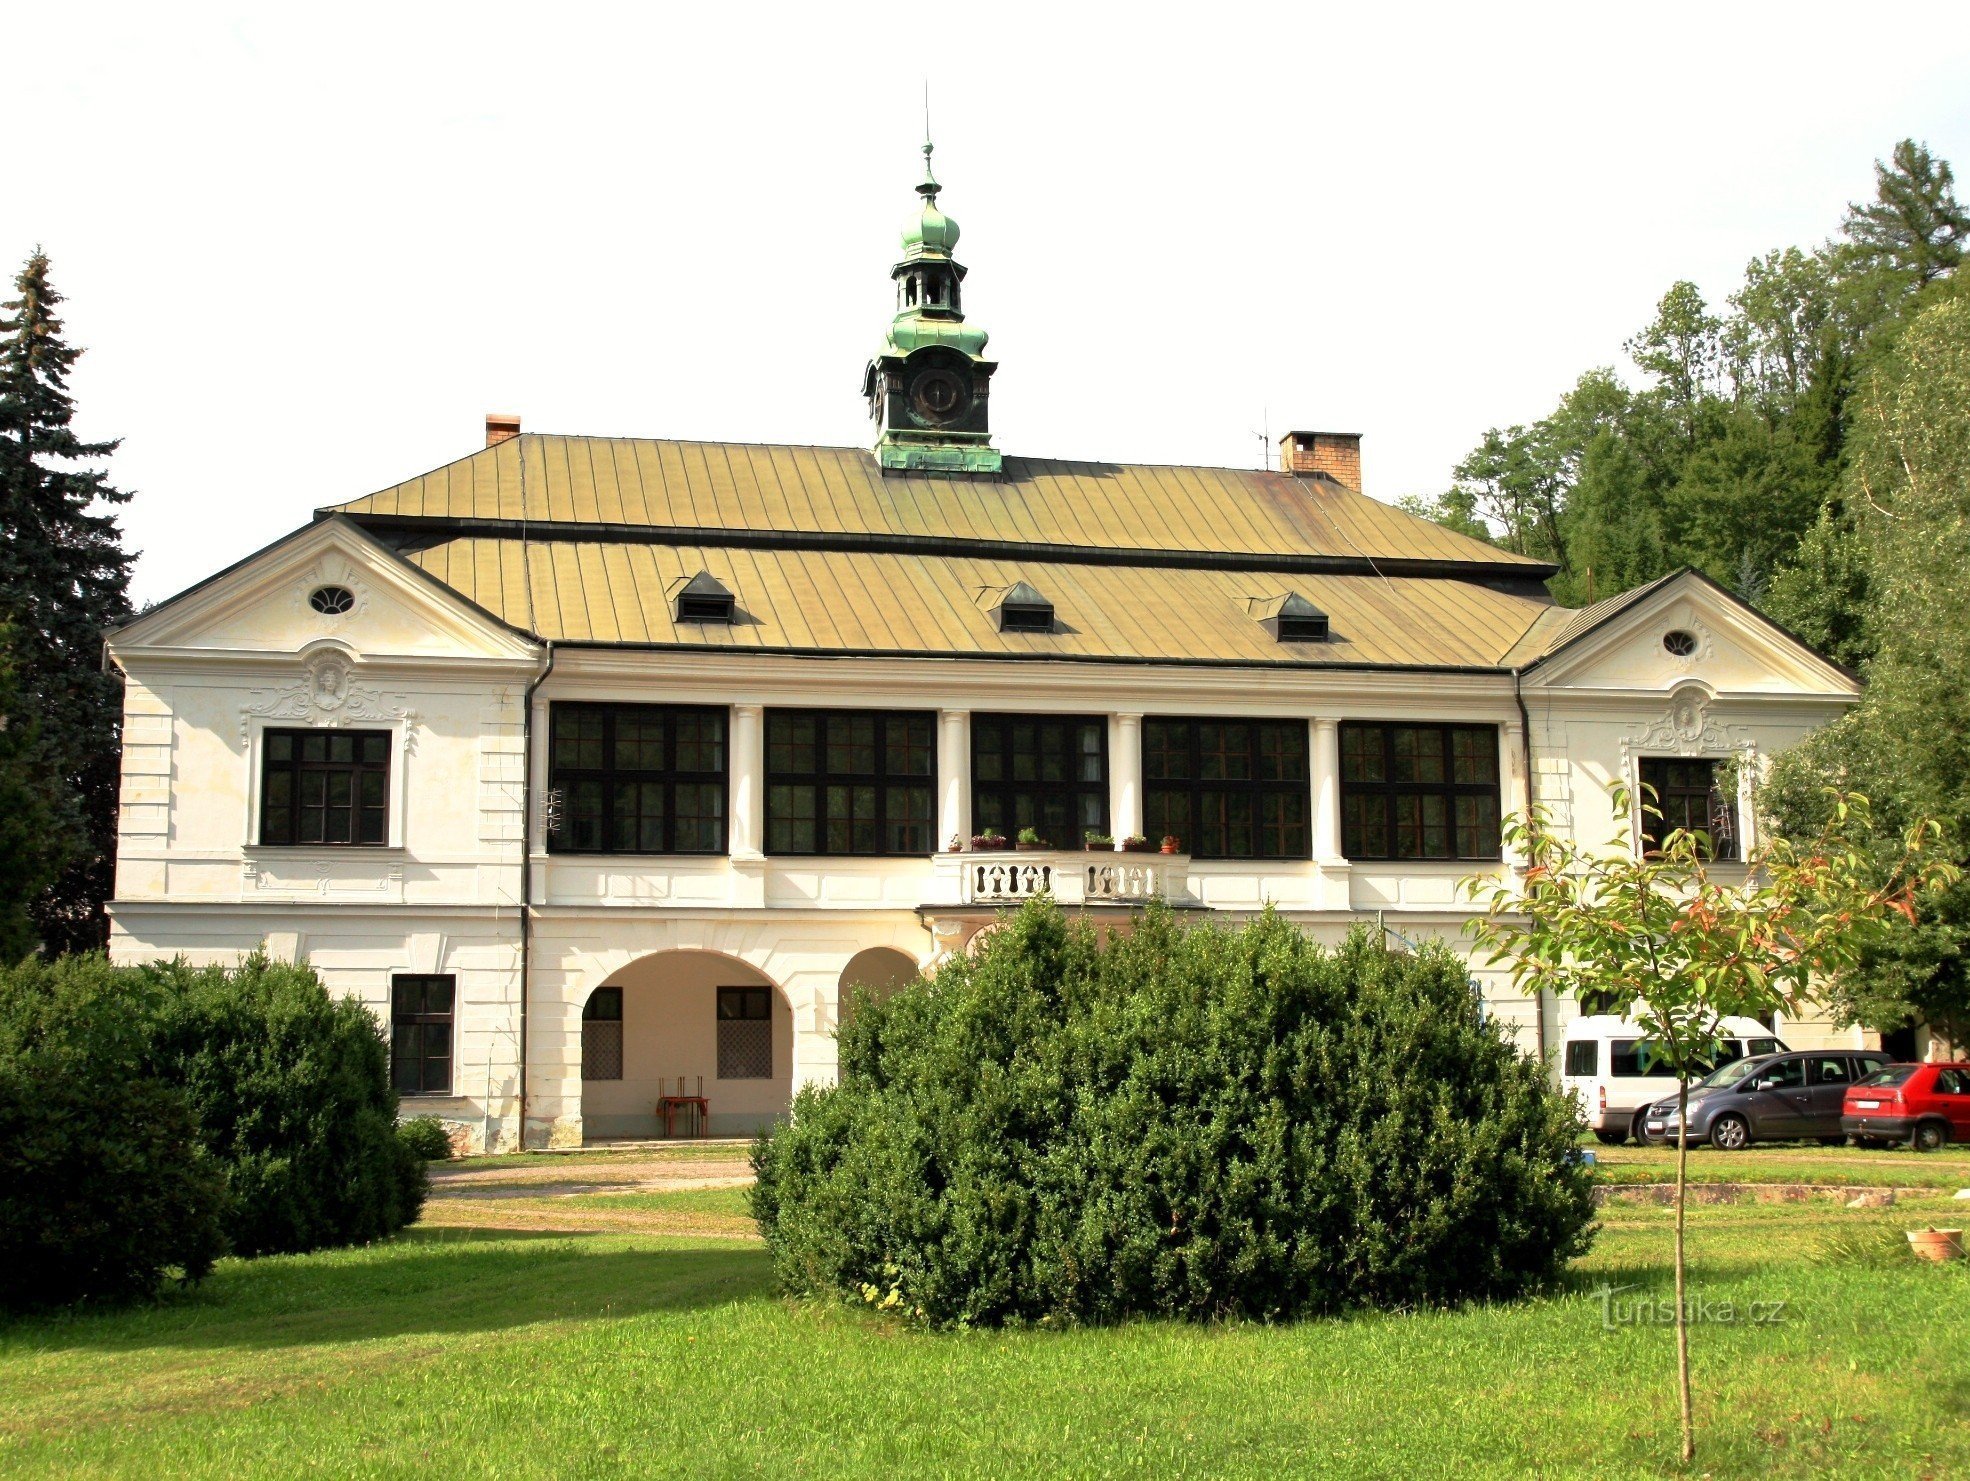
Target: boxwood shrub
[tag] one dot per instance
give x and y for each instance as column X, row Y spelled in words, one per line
column 291, row 1090
column 1185, row 1121
column 426, row 1137
column 105, row 1191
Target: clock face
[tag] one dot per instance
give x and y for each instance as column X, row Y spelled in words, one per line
column 938, row 395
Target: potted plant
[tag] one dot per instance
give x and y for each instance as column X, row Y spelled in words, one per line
column 1135, row 843
column 989, row 843
column 1098, row 843
column 956, row 845
column 1935, row 1244
column 1171, row 843
column 1030, row 841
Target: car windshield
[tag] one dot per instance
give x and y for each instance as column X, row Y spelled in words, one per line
column 1730, row 1074
column 1895, row 1074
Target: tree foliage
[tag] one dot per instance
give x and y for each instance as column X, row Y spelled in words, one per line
column 108, row 1193
column 1889, row 580
column 1687, row 948
column 291, row 1090
column 63, row 581
column 1190, row 1122
column 1729, row 450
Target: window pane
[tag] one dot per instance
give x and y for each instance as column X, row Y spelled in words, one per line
column 280, row 747
column 1476, row 756
column 911, row 750
column 1362, row 756
column 1364, row 826
column 1165, row 750
column 1477, row 826
column 700, row 742
column 851, row 745
column 910, row 821
column 639, row 741
column 790, row 743
column 1418, row 754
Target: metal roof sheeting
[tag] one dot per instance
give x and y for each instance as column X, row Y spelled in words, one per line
column 877, row 602
column 710, row 486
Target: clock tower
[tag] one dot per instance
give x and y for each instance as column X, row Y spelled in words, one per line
column 927, row 389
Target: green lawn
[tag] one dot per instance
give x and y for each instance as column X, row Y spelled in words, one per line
column 480, row 1352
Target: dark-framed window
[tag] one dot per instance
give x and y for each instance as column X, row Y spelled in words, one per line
column 1045, row 772
column 1419, row 791
column 325, row 786
column 1687, row 796
column 638, row 779
column 745, row 1033
column 1229, row 789
column 421, row 1032
column 851, row 782
column 601, row 1035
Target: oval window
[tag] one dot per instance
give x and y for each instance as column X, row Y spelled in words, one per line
column 331, row 601
column 1680, row 643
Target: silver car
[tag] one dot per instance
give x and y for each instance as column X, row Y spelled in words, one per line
column 1773, row 1097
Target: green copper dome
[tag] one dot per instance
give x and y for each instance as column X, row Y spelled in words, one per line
column 932, row 231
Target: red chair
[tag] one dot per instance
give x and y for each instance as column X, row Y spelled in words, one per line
column 669, row 1105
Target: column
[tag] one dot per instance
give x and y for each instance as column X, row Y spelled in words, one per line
column 953, row 776
column 1326, row 780
column 1125, row 777
column 748, row 783
column 1749, row 773
column 1516, row 796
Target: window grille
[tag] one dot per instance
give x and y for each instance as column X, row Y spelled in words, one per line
column 745, row 1033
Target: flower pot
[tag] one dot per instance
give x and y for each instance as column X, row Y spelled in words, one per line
column 1938, row 1245
column 1145, row 847
column 1099, row 848
column 1033, row 848
column 1170, row 846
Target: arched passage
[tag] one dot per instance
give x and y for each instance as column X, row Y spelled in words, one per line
column 871, row 976
column 690, row 1023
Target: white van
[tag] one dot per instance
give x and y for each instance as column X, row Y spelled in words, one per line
column 1613, row 1070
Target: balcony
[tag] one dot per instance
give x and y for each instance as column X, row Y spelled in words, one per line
column 1073, row 877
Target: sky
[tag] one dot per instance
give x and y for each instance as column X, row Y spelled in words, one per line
column 307, row 249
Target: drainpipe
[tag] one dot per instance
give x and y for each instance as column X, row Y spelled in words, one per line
column 527, row 872
column 1525, row 761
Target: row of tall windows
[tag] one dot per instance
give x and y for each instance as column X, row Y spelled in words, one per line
column 654, row 779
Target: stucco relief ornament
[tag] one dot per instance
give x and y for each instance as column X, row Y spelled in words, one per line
column 327, row 694
column 1687, row 730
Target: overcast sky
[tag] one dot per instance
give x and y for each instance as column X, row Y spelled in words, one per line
column 308, row 247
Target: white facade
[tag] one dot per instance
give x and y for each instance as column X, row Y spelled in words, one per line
column 210, row 674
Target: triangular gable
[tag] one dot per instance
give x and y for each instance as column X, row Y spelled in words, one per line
column 263, row 604
column 1681, row 628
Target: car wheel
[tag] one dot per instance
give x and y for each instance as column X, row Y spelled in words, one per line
column 1928, row 1136
column 1638, row 1128
column 1730, row 1133
column 1610, row 1138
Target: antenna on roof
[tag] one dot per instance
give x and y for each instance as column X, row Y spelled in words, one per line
column 1265, row 441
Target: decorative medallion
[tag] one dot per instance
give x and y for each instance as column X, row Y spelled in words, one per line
column 327, row 694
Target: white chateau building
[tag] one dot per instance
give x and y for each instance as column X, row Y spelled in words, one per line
column 603, row 769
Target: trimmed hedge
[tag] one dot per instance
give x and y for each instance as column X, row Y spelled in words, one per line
column 105, row 1190
column 291, row 1090
column 426, row 1137
column 1189, row 1122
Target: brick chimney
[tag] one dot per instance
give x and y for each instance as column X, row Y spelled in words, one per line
column 1336, row 454
column 500, row 427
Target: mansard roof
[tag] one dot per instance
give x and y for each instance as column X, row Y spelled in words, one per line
column 721, row 493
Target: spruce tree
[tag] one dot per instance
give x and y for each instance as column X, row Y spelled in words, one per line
column 64, row 577
column 1913, row 229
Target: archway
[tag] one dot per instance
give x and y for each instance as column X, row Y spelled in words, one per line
column 694, row 1023
column 872, row 976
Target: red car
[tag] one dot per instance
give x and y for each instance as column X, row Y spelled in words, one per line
column 1925, row 1105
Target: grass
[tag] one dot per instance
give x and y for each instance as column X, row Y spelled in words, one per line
column 469, row 1352
column 1789, row 1163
